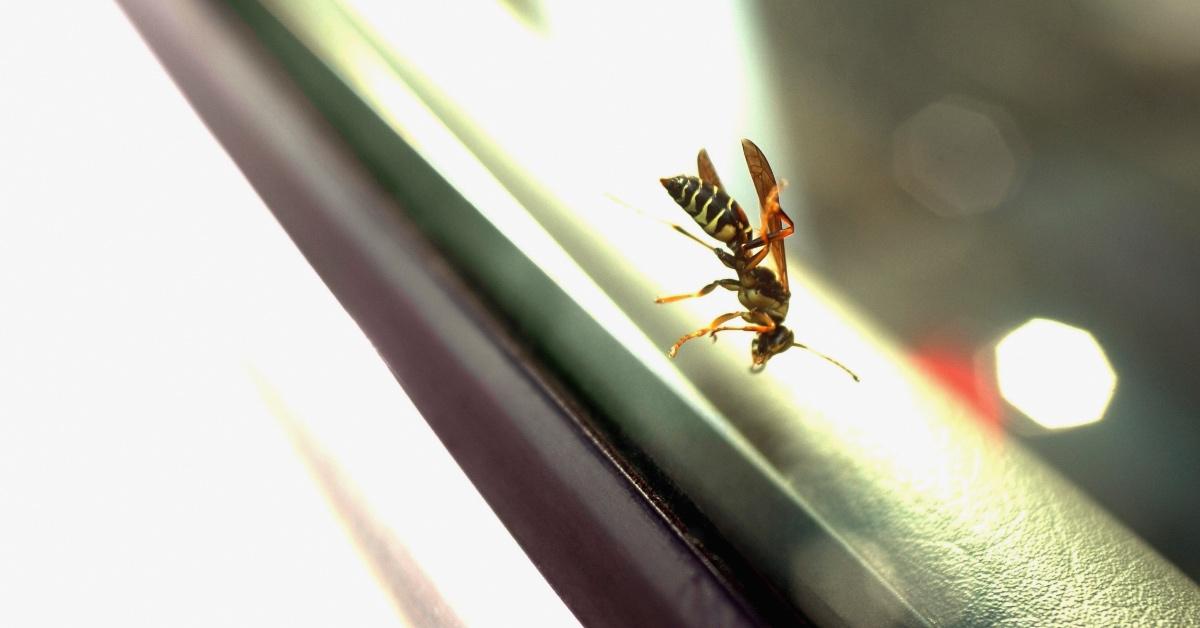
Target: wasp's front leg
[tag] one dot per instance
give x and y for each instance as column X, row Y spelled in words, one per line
column 700, row 332
column 765, row 324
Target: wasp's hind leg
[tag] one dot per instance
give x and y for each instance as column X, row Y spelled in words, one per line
column 772, row 214
column 728, row 284
column 684, row 232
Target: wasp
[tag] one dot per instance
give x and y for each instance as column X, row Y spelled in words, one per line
column 760, row 290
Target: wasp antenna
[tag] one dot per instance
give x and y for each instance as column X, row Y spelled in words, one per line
column 832, row 361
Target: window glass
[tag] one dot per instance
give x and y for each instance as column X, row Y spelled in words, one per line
column 979, row 198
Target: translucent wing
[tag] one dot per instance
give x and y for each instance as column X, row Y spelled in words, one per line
column 773, row 217
column 708, row 173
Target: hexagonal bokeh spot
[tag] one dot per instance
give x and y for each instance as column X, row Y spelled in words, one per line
column 958, row 156
column 1056, row 374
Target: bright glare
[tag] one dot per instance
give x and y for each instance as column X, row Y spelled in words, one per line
column 1058, row 375
column 546, row 96
column 143, row 481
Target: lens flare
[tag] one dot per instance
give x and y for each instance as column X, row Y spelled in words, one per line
column 1056, row 374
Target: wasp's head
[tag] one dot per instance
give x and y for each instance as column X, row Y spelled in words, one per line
column 767, row 344
column 675, row 186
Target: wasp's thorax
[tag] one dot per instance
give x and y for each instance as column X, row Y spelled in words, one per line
column 711, row 208
column 761, row 291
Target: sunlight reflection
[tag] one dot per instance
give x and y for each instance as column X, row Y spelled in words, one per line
column 571, row 103
column 1058, row 375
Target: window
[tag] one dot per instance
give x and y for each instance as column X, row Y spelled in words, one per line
column 926, row 188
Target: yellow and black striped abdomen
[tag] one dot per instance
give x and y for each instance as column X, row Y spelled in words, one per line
column 711, row 208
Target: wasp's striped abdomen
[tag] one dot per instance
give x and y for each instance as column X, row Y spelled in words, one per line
column 714, row 210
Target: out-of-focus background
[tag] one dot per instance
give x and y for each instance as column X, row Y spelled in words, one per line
column 968, row 168
column 1010, row 190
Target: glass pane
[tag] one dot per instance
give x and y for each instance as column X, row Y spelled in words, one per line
column 951, row 196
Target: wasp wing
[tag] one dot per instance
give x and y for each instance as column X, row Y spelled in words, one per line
column 772, row 213
column 708, row 173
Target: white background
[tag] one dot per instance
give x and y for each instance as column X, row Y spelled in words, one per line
column 143, row 287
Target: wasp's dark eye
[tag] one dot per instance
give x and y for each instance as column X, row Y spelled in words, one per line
column 770, row 343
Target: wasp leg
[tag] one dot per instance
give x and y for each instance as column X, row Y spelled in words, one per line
column 725, row 257
column 728, row 284
column 758, row 257
column 700, row 332
column 758, row 329
column 771, row 209
column 774, row 236
column 766, row 325
column 678, row 228
column 690, row 236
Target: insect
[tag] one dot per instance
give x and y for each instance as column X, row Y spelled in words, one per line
column 760, row 290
